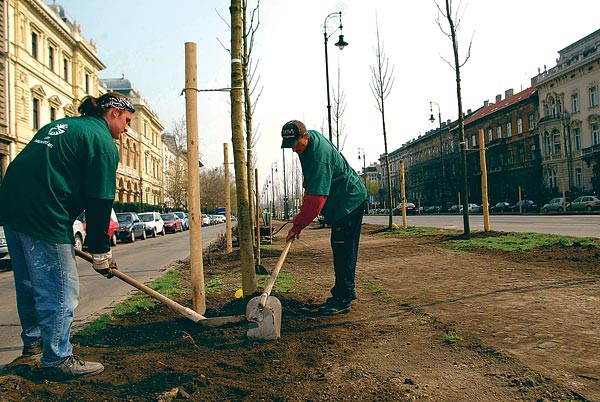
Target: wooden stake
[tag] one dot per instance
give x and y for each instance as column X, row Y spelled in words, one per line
column 195, row 214
column 257, row 217
column 403, row 195
column 227, row 199
column 484, row 183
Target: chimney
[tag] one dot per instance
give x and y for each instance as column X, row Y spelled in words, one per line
column 469, row 111
column 498, row 98
column 486, row 103
column 508, row 92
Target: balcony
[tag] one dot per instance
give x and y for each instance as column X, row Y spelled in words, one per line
column 590, row 151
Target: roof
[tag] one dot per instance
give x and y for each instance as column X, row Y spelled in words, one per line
column 494, row 107
column 121, row 85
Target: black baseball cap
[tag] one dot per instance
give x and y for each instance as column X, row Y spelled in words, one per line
column 291, row 132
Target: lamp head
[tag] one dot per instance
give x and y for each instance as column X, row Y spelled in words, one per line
column 341, row 43
column 431, row 118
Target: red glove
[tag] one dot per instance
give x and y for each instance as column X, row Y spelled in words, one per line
column 310, row 208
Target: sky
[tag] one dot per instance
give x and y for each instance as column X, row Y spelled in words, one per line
column 511, row 40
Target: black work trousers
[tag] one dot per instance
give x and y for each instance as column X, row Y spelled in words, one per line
column 345, row 236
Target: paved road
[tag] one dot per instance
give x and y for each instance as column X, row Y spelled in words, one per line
column 142, row 260
column 568, row 225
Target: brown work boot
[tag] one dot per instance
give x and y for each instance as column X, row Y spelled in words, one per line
column 32, row 350
column 73, row 367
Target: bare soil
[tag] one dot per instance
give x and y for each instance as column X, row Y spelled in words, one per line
column 431, row 323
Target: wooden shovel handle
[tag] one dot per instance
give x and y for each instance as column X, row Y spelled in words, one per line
column 274, row 274
column 184, row 311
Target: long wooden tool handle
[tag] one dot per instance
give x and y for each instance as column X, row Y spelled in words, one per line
column 184, row 311
column 274, row 274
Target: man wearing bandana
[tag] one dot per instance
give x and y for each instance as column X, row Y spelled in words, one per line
column 333, row 188
column 69, row 166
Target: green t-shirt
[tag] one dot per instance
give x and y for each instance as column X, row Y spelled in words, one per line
column 326, row 172
column 45, row 186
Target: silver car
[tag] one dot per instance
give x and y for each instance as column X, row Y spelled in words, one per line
column 555, row 205
column 3, row 246
column 584, row 203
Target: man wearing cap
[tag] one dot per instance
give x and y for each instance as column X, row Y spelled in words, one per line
column 69, row 166
column 333, row 188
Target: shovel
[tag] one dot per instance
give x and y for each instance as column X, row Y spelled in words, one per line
column 184, row 311
column 263, row 312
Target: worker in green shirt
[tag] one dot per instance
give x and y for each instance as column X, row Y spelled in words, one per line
column 333, row 188
column 69, row 166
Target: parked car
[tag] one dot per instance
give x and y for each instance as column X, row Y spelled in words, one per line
column 206, row 221
column 131, row 227
column 526, row 206
column 411, row 209
column 113, row 227
column 154, row 223
column 322, row 221
column 432, row 209
column 502, row 206
column 455, row 208
column 78, row 234
column 584, row 203
column 555, row 205
column 185, row 220
column 172, row 222
column 474, row 208
column 3, row 246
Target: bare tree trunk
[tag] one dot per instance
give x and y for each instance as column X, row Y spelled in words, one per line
column 249, row 284
column 461, row 125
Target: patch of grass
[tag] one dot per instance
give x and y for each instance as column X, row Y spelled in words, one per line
column 424, row 231
column 214, row 285
column 451, row 337
column 377, row 291
column 284, row 283
column 524, row 241
column 98, row 324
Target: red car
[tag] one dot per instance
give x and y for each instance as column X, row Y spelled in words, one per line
column 172, row 223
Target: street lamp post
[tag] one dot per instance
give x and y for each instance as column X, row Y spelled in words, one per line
column 141, row 193
column 432, row 119
column 273, row 190
column 341, row 43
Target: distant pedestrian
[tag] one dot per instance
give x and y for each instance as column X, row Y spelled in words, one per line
column 69, row 166
column 333, row 188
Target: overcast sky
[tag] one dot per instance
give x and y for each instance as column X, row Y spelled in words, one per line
column 511, row 40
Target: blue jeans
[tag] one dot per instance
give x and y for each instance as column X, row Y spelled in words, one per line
column 47, row 287
column 345, row 236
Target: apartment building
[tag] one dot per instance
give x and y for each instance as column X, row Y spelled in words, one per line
column 49, row 69
column 569, row 127
column 140, row 172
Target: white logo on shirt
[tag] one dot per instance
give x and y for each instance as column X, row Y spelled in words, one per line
column 56, row 130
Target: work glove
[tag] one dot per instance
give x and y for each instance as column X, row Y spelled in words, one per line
column 104, row 264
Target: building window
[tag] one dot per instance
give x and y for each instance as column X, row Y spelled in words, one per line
column 499, row 131
column 575, row 103
column 519, row 126
column 577, row 138
column 593, row 96
column 531, row 123
column 490, row 135
column 551, row 178
column 510, row 158
column 87, row 83
column 508, row 129
column 548, row 143
column 66, row 69
column 36, row 113
column 556, row 142
column 51, row 58
column 52, row 113
column 578, row 178
column 595, row 134
column 34, row 44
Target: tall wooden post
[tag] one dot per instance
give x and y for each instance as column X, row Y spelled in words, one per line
column 228, row 241
column 520, row 203
column 257, row 217
column 564, row 194
column 403, row 195
column 484, row 183
column 191, row 109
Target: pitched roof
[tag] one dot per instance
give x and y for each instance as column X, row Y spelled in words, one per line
column 494, row 107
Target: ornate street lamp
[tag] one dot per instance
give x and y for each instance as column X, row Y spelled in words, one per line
column 432, row 119
column 273, row 189
column 341, row 44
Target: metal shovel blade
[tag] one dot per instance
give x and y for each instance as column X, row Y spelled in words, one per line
column 263, row 323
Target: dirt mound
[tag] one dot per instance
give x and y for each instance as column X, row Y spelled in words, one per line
column 430, row 323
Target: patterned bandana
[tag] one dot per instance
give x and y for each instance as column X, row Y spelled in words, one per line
column 119, row 103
